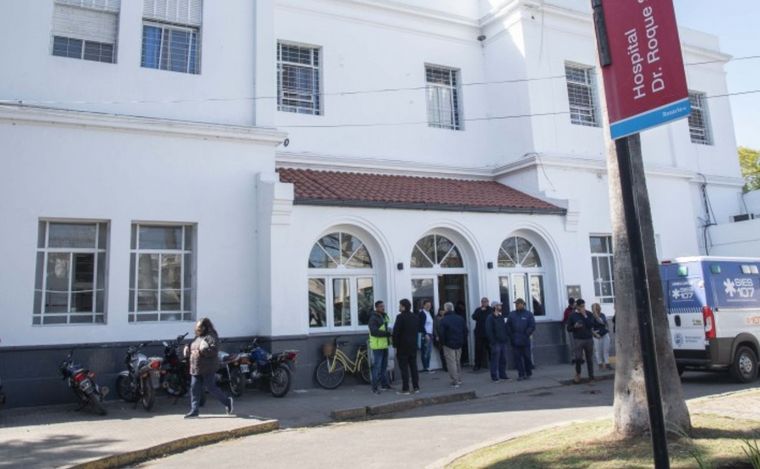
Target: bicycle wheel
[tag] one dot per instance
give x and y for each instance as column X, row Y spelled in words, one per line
column 364, row 369
column 330, row 379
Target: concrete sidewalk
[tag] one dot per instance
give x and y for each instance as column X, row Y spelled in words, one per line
column 60, row 436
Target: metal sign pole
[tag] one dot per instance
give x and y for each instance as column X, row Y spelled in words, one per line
column 633, row 187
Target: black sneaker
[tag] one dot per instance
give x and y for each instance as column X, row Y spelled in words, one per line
column 191, row 415
column 229, row 407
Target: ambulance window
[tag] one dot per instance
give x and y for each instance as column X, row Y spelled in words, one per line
column 753, row 269
column 683, row 271
column 746, row 269
column 715, row 268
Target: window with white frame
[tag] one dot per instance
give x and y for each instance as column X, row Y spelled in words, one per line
column 341, row 283
column 602, row 265
column 86, row 29
column 581, row 94
column 443, row 100
column 298, row 79
column 161, row 273
column 171, row 35
column 521, row 274
column 70, row 282
column 699, row 119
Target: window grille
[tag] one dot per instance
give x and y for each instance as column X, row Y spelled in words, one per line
column 161, row 273
column 603, row 268
column 171, row 35
column 581, row 95
column 298, row 79
column 699, row 123
column 70, row 285
column 86, row 29
column 443, row 104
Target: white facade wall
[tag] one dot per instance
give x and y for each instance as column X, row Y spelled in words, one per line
column 90, row 168
column 220, row 175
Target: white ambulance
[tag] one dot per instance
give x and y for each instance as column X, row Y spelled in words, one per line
column 713, row 306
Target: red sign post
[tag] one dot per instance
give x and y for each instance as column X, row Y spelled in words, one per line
column 644, row 79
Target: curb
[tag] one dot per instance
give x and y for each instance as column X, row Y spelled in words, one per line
column 177, row 446
column 360, row 413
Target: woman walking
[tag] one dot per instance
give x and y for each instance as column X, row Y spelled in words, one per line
column 204, row 361
column 601, row 337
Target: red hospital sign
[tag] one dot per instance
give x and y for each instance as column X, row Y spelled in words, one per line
column 645, row 83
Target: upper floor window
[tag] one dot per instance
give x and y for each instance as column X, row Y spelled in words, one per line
column 582, row 95
column 298, row 79
column 70, row 284
column 86, row 29
column 161, row 273
column 171, row 35
column 443, row 100
column 699, row 119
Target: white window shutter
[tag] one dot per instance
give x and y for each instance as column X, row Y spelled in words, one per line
column 84, row 23
column 107, row 5
column 186, row 12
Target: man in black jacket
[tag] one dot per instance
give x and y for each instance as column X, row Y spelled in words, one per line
column 405, row 333
column 482, row 346
column 581, row 325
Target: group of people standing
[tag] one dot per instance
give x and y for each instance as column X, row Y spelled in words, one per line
column 589, row 336
column 447, row 330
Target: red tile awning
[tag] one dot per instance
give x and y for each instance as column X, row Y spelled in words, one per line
column 336, row 188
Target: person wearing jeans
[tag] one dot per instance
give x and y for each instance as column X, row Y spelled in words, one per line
column 497, row 334
column 520, row 325
column 379, row 341
column 581, row 324
column 204, row 361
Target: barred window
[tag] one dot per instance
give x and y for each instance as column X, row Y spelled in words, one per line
column 699, row 119
column 171, row 35
column 70, row 285
column 298, row 86
column 86, row 29
column 581, row 95
column 603, row 267
column 443, row 98
column 161, row 273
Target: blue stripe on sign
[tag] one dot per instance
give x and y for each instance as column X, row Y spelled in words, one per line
column 653, row 118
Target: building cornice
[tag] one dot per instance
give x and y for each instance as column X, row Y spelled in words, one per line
column 34, row 115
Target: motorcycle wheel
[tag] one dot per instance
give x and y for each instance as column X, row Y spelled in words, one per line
column 326, row 378
column 175, row 386
column 96, row 404
column 148, row 396
column 124, row 389
column 279, row 382
column 364, row 370
column 237, row 383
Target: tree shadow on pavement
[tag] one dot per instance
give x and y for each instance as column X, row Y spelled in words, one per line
column 48, row 452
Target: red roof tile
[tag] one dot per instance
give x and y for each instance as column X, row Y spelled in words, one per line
column 380, row 190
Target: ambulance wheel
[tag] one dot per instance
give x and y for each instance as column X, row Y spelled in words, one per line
column 744, row 367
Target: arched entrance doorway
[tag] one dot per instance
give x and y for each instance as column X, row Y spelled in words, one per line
column 521, row 274
column 439, row 275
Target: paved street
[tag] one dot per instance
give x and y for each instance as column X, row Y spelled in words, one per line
column 426, row 436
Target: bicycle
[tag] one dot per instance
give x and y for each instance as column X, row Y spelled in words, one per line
column 331, row 371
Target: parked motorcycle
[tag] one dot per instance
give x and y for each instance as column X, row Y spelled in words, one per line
column 255, row 365
column 82, row 383
column 175, row 372
column 142, row 376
